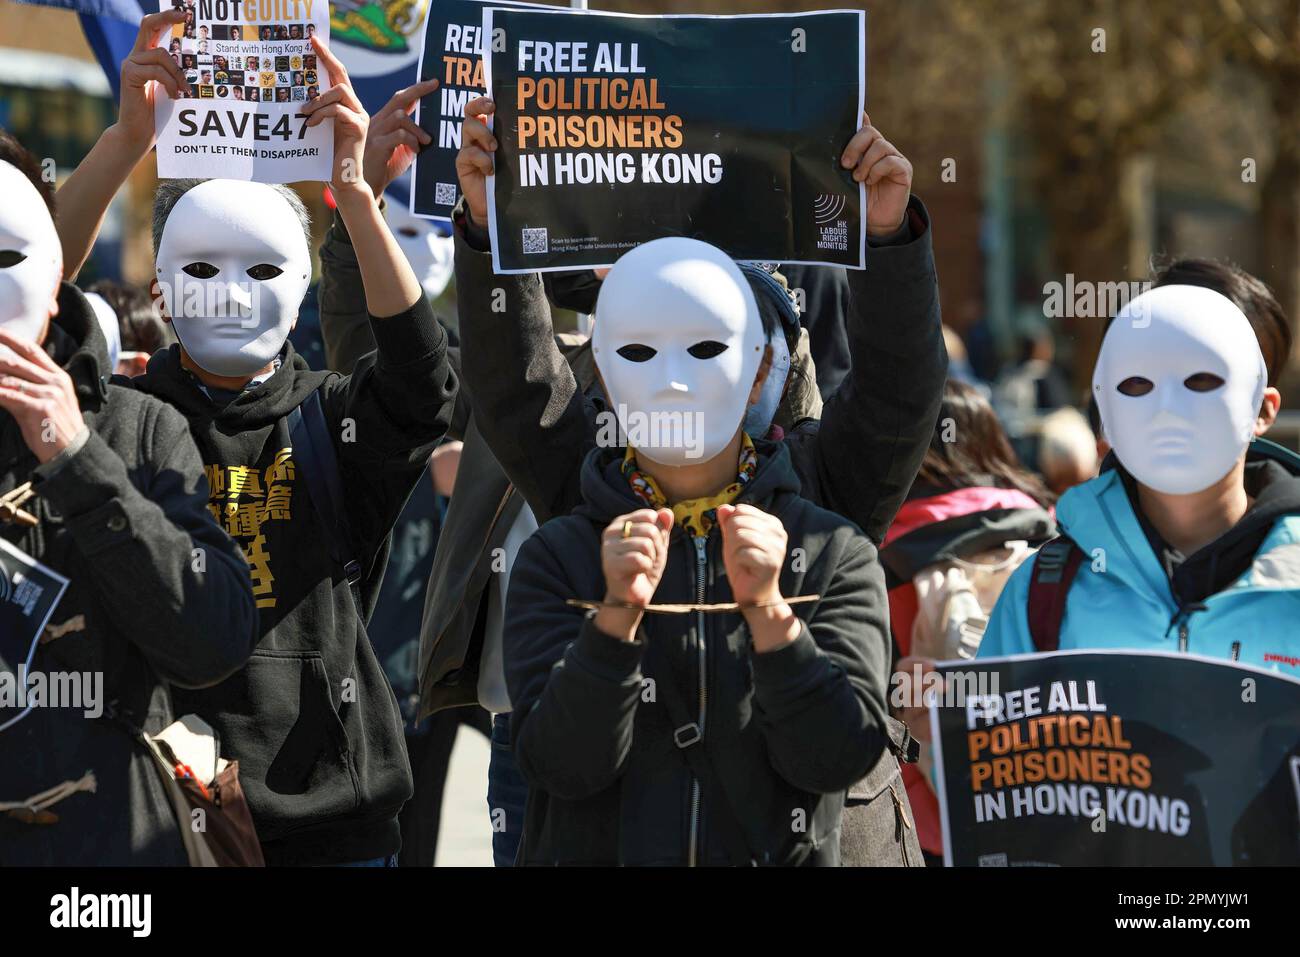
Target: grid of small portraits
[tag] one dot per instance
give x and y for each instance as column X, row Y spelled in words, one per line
column 283, row 72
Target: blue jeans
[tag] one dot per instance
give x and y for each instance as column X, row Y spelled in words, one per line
column 507, row 795
column 390, row 861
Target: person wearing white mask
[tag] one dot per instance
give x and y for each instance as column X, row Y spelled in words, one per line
column 538, row 408
column 307, row 471
column 758, row 710
column 1198, row 517
column 101, row 485
column 31, row 265
column 427, row 245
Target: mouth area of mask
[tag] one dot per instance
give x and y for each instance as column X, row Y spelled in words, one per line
column 678, row 345
column 233, row 267
column 1179, row 383
column 31, row 257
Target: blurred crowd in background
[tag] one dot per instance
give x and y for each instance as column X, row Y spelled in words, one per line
column 1065, row 160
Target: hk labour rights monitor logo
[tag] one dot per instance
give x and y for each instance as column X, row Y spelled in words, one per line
column 830, row 214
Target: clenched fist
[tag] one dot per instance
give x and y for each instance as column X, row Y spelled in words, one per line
column 633, row 552
column 753, row 551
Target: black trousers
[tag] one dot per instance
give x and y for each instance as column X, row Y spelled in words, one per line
column 430, row 754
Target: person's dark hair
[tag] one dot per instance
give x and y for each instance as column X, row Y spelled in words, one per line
column 1029, row 342
column 1094, row 415
column 1248, row 294
column 17, row 155
column 980, row 452
column 142, row 328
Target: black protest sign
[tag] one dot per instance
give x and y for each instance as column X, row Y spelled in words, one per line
column 617, row 130
column 451, row 53
column 29, row 593
column 1117, row 758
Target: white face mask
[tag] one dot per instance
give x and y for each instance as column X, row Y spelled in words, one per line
column 107, row 320
column 1179, row 383
column 678, row 342
column 234, row 266
column 31, row 258
column 759, row 416
column 431, row 255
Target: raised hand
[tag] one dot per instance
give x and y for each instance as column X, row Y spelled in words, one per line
column 474, row 162
column 147, row 69
column 888, row 175
column 351, row 122
column 394, row 138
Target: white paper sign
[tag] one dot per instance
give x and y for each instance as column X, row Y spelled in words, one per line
column 251, row 68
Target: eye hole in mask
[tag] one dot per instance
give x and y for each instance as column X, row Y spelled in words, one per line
column 200, row 270
column 635, row 352
column 1203, row 382
column 1135, row 385
column 10, row 257
column 707, row 349
column 410, row 232
column 264, row 271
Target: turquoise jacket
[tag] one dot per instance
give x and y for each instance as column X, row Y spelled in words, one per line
column 1121, row 597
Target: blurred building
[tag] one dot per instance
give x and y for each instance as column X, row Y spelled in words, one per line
column 1039, row 158
column 56, row 100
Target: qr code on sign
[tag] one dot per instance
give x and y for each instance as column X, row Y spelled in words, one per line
column 444, row 194
column 536, row 240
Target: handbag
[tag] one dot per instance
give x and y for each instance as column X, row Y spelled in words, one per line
column 216, row 825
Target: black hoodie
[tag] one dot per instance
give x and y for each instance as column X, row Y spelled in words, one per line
column 124, row 518
column 786, row 732
column 311, row 718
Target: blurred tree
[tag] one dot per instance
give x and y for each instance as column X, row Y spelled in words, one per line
column 1090, row 89
column 1265, row 37
column 1090, row 85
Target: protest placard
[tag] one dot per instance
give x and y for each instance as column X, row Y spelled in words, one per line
column 251, row 68
column 615, row 130
column 1116, row 758
column 452, row 54
column 29, row 593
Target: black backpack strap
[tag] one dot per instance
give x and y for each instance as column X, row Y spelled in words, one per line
column 689, row 739
column 1054, row 569
column 313, row 448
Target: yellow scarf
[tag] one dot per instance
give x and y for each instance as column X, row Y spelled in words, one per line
column 696, row 515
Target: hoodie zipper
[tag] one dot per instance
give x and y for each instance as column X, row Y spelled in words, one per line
column 701, row 573
column 1183, row 619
